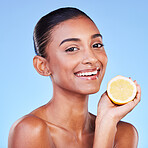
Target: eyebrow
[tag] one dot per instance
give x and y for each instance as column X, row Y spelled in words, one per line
column 96, row 35
column 77, row 39
column 69, row 39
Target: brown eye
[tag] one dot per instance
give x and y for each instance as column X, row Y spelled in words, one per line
column 71, row 49
column 98, row 45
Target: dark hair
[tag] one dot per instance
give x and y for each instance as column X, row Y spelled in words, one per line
column 44, row 27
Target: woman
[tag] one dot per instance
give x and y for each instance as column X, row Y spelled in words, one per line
column 69, row 49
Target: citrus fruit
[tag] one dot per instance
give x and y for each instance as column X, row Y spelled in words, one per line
column 121, row 90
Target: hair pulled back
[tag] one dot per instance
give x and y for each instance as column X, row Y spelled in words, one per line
column 44, row 27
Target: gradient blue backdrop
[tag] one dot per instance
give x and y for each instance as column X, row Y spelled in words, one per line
column 124, row 26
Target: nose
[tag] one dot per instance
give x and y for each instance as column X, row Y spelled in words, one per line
column 89, row 57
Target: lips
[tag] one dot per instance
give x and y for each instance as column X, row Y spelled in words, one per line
column 88, row 74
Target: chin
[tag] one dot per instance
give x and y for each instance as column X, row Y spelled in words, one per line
column 90, row 91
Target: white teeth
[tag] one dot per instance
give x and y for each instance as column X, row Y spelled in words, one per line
column 87, row 73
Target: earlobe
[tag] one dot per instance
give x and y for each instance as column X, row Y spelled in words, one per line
column 41, row 66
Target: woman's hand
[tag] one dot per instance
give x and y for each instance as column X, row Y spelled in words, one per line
column 107, row 109
column 108, row 115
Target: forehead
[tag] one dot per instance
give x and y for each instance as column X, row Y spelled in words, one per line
column 77, row 27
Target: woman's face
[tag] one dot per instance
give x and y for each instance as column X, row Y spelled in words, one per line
column 76, row 56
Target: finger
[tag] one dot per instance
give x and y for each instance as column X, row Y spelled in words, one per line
column 105, row 97
column 128, row 107
column 137, row 99
column 135, row 82
column 105, row 100
column 138, row 95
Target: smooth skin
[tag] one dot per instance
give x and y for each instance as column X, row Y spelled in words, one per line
column 65, row 122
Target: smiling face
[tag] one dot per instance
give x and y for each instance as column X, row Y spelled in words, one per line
column 76, row 56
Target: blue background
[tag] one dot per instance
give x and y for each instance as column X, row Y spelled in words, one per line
column 124, row 26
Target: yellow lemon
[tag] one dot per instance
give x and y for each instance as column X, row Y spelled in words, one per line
column 121, row 90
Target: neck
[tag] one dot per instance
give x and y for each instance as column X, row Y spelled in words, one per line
column 70, row 111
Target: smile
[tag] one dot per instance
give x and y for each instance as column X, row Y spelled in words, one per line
column 90, row 74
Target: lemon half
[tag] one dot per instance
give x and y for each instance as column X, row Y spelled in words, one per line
column 121, row 90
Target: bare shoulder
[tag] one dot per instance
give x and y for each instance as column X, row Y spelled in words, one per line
column 126, row 136
column 29, row 132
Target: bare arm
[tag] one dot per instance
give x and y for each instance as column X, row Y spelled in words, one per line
column 108, row 117
column 30, row 132
column 105, row 132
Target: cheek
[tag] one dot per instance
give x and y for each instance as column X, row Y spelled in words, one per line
column 62, row 65
column 102, row 57
column 105, row 60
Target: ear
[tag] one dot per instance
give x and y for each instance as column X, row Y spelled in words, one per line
column 41, row 66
